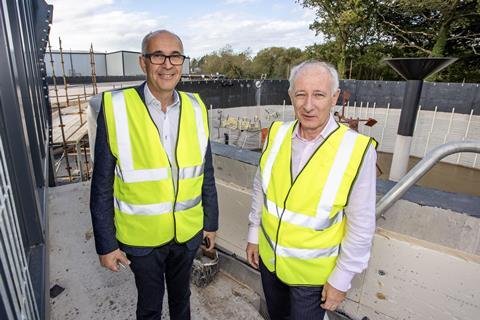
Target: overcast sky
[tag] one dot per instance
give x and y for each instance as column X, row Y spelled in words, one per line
column 204, row 26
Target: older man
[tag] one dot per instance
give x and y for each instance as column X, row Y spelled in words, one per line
column 153, row 193
column 313, row 211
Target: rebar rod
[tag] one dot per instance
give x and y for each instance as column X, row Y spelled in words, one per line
column 80, row 110
column 94, row 75
column 86, row 159
column 64, row 143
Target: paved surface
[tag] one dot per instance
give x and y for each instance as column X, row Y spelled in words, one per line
column 92, row 292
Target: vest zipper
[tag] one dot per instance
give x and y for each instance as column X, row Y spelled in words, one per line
column 176, row 144
column 178, row 171
column 290, row 189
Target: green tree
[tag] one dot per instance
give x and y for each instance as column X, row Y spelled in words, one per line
column 324, row 51
column 346, row 23
column 276, row 62
column 226, row 62
column 426, row 27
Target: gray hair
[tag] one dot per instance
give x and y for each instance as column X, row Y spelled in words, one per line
column 152, row 34
column 309, row 64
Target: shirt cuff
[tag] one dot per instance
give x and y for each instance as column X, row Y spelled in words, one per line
column 253, row 234
column 341, row 279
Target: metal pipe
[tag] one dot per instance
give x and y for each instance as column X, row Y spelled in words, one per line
column 434, row 156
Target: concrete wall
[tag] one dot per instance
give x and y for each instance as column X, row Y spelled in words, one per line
column 412, row 279
column 424, row 259
column 236, row 93
column 462, row 97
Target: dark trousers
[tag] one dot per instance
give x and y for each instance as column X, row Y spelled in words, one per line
column 171, row 263
column 290, row 302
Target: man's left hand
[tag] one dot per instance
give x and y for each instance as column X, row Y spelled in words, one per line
column 210, row 235
column 331, row 297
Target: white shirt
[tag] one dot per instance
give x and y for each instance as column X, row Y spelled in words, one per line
column 166, row 123
column 360, row 211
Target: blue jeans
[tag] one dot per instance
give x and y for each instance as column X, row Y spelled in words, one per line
column 171, row 263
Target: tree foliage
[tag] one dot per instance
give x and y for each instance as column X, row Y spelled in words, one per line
column 427, row 27
column 276, row 62
column 359, row 34
column 226, row 62
column 399, row 28
column 347, row 23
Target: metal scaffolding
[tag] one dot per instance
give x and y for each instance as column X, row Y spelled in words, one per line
column 69, row 143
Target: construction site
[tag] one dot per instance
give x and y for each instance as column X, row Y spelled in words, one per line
column 425, row 260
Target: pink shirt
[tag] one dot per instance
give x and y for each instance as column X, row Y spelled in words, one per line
column 360, row 212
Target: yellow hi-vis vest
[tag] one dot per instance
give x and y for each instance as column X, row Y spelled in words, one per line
column 148, row 211
column 303, row 221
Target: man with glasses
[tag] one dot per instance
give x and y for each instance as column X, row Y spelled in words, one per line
column 153, row 194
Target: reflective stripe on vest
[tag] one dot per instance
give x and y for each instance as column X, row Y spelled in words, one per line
column 336, row 173
column 301, row 253
column 190, row 172
column 201, row 133
column 145, row 209
column 267, row 171
column 156, row 208
column 317, row 223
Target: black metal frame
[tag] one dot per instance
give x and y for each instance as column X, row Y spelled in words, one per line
column 24, row 128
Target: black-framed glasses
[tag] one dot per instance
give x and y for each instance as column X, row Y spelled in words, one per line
column 160, row 58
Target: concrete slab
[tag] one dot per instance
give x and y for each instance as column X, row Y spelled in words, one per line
column 420, row 268
column 92, row 292
column 409, row 278
column 436, row 225
column 234, row 204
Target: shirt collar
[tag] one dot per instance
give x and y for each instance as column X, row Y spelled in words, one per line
column 329, row 128
column 151, row 101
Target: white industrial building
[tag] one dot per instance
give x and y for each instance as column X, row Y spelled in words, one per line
column 117, row 63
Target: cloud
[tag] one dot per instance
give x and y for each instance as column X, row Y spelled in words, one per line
column 213, row 31
column 67, row 10
column 111, row 27
column 99, row 23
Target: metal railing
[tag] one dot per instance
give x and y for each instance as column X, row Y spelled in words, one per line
column 13, row 262
column 417, row 172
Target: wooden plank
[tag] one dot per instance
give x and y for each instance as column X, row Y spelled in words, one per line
column 79, row 134
column 72, row 110
column 72, row 124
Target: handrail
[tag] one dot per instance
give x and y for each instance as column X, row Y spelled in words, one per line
column 430, row 159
